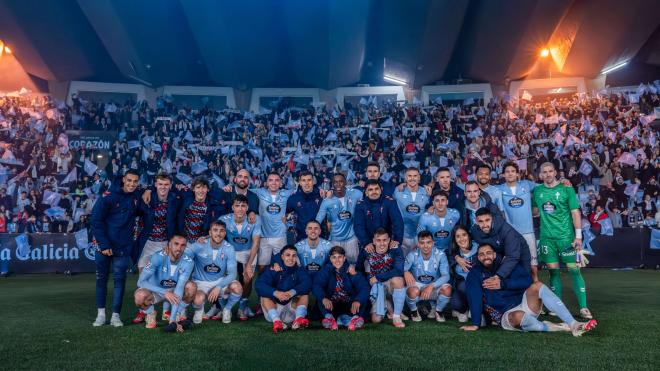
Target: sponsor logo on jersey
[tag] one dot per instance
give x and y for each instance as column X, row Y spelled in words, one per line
column 345, row 215
column 168, row 283
column 516, row 202
column 549, row 207
column 313, row 267
column 211, row 268
column 240, row 240
column 413, row 209
column 425, row 278
column 441, row 234
column 273, row 209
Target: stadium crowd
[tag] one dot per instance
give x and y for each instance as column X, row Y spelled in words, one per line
column 601, row 143
column 236, row 179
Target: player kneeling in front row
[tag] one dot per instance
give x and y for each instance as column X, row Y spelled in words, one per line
column 384, row 266
column 514, row 303
column 426, row 272
column 166, row 277
column 284, row 292
column 341, row 296
column 215, row 272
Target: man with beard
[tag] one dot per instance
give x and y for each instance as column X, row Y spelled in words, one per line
column 374, row 212
column 514, row 303
column 166, row 277
column 505, row 240
column 215, row 272
column 241, row 185
column 455, row 195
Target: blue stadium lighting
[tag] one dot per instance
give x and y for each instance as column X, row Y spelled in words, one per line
column 394, row 80
column 613, row 68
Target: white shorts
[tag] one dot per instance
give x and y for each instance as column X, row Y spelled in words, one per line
column 207, row 286
column 158, row 297
column 150, row 248
column 521, row 307
column 351, row 247
column 286, row 312
column 408, row 245
column 269, row 246
column 435, row 293
column 243, row 256
column 531, row 242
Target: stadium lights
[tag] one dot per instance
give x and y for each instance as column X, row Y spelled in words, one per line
column 613, row 68
column 7, row 50
column 394, row 80
column 545, row 52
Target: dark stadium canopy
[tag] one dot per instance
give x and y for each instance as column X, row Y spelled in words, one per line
column 324, row 43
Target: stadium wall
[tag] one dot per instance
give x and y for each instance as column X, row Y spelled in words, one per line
column 341, row 93
column 211, row 91
column 429, row 90
column 142, row 92
column 516, row 88
column 258, row 93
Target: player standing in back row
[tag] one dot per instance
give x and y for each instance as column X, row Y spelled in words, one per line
column 561, row 233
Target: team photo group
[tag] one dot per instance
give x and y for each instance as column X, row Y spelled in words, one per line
column 349, row 256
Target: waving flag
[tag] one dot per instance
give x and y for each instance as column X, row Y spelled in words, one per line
column 526, row 96
column 198, row 167
column 90, row 167
column 655, row 239
column 628, row 159
column 554, row 119
column 185, row 179
column 71, row 177
column 585, row 168
column 606, row 228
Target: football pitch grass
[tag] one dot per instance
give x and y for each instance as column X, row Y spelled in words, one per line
column 46, row 324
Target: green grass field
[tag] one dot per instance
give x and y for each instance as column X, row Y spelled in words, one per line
column 46, row 324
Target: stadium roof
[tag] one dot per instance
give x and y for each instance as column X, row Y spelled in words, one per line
column 323, row 43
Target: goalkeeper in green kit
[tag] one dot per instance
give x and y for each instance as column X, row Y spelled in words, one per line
column 561, row 233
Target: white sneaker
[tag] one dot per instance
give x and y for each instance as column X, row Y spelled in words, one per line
column 197, row 317
column 462, row 317
column 439, row 317
column 404, row 317
column 431, row 314
column 115, row 321
column 454, row 313
column 226, row 315
column 100, row 321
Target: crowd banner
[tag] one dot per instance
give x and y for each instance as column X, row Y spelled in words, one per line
column 44, row 253
column 91, row 138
